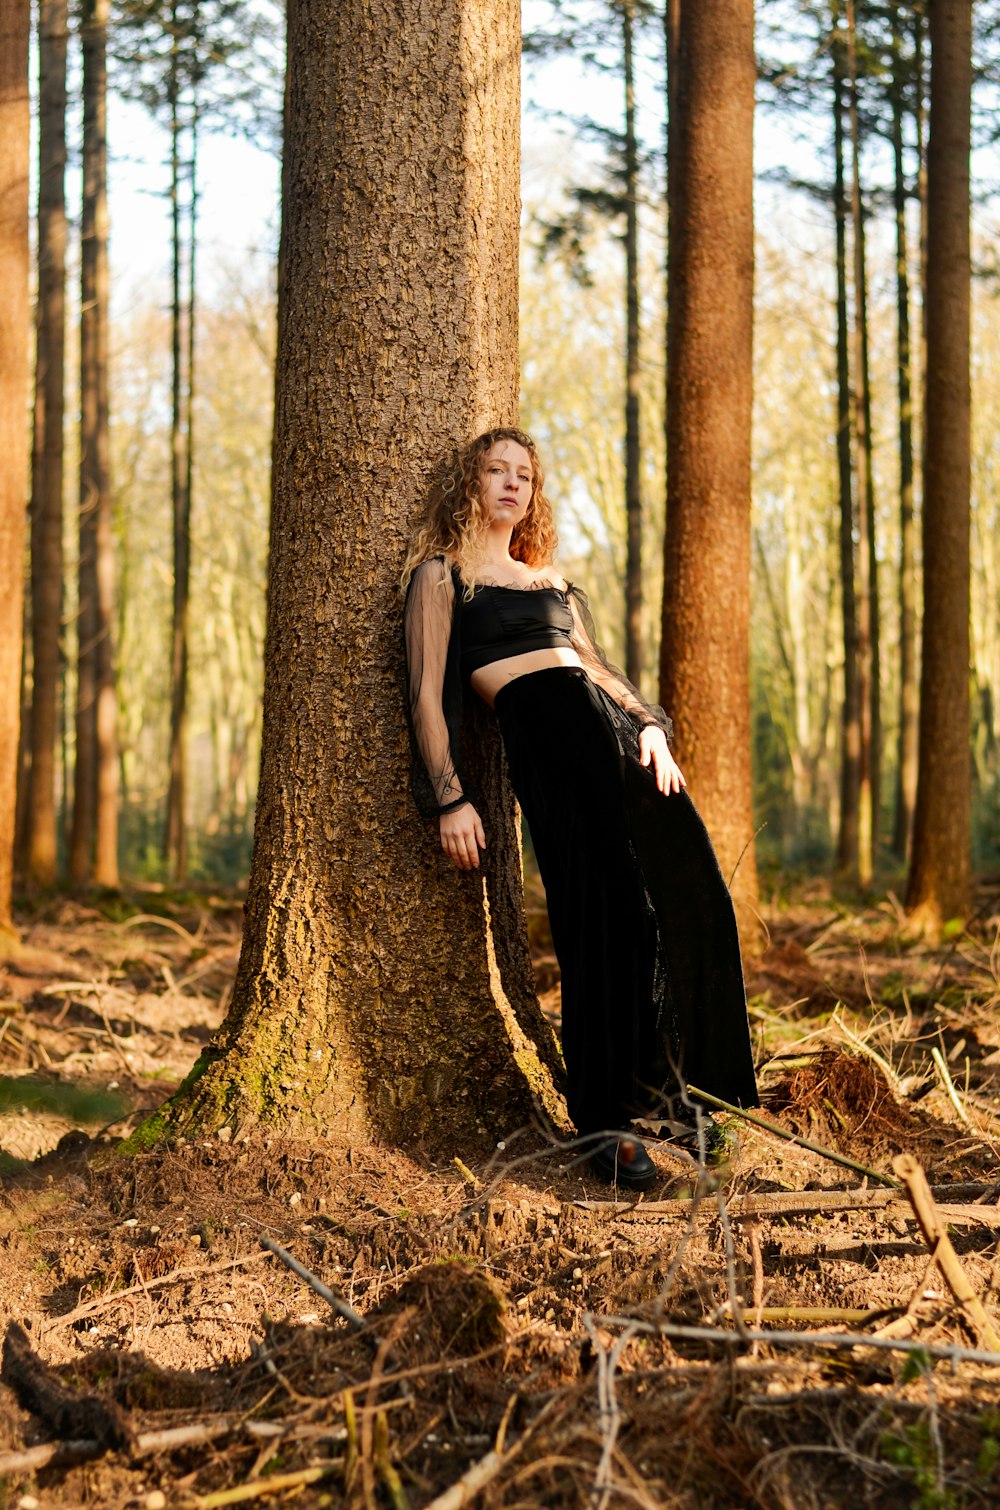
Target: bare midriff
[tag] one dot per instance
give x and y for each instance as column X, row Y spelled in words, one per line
column 487, row 681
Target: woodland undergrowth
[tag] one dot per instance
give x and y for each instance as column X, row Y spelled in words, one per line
column 780, row 1332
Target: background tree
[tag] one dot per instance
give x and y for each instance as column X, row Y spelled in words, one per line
column 14, row 333
column 47, row 453
column 907, row 747
column 610, row 30
column 378, row 989
column 94, row 841
column 194, row 64
column 704, row 669
column 940, row 872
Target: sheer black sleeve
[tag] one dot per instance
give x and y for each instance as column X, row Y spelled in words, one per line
column 599, row 669
column 434, row 690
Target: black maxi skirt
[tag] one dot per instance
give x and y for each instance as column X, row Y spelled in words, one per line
column 642, row 921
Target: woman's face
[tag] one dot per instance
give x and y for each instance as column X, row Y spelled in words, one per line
column 506, row 482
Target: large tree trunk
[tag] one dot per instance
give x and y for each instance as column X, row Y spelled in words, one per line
column 14, row 335
column 47, row 455
column 379, row 991
column 704, row 669
column 633, row 454
column 940, row 874
column 94, row 843
column 850, row 759
column 906, row 747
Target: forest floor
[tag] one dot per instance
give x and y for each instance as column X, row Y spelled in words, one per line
column 514, row 1335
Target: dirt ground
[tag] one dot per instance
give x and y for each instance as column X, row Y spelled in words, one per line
column 508, row 1333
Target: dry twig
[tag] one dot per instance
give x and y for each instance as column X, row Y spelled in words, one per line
column 937, row 1239
column 790, row 1137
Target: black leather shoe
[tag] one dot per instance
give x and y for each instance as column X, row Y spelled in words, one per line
column 624, row 1161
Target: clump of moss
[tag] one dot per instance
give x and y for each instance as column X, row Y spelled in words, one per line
column 459, row 1309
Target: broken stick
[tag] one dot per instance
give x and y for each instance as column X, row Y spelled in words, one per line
column 790, row 1137
column 936, row 1237
column 336, row 1303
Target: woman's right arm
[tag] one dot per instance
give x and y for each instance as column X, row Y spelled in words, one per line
column 430, row 606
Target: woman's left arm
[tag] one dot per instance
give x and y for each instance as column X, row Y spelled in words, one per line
column 654, row 727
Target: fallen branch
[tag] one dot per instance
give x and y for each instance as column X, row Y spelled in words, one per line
column 337, row 1305
column 33, row 1458
column 178, row 1276
column 846, row 1314
column 811, row 1202
column 76, row 1451
column 839, row 1341
column 936, row 1237
column 257, row 1488
column 790, row 1137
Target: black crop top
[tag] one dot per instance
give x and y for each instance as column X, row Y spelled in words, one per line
column 497, row 622
column 436, row 620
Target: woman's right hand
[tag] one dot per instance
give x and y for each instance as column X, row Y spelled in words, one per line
column 462, row 836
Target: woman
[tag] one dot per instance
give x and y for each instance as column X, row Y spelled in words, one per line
column 642, row 922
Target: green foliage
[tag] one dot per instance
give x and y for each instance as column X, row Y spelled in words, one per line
column 913, row 1450
column 78, row 1103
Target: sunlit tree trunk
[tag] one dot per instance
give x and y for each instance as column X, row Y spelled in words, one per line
column 14, row 337
column 906, row 748
column 633, row 467
column 850, row 760
column 176, row 826
column 704, row 670
column 94, row 844
column 47, row 455
column 379, row 990
column 867, row 564
column 941, row 866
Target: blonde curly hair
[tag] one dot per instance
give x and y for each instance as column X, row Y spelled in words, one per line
column 455, row 521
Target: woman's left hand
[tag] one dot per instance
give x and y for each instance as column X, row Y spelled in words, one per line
column 654, row 750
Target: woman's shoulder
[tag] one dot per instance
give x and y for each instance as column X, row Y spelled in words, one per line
column 433, row 571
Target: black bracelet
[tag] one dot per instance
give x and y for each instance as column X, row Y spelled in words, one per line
column 450, row 807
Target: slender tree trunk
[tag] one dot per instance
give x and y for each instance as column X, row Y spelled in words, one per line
column 176, row 827
column 704, row 670
column 867, row 599
column 94, row 480
column 47, row 455
column 906, row 749
column 15, row 326
column 378, row 990
column 941, row 867
column 106, row 817
column 850, row 763
column 633, row 465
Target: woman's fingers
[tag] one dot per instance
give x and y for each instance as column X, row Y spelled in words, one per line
column 462, row 837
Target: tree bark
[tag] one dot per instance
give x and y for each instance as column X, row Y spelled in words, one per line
column 14, row 337
column 47, row 454
column 94, row 843
column 633, row 455
column 379, row 991
column 867, row 599
column 906, row 747
column 850, row 760
column 941, row 867
column 175, row 842
column 704, row 669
